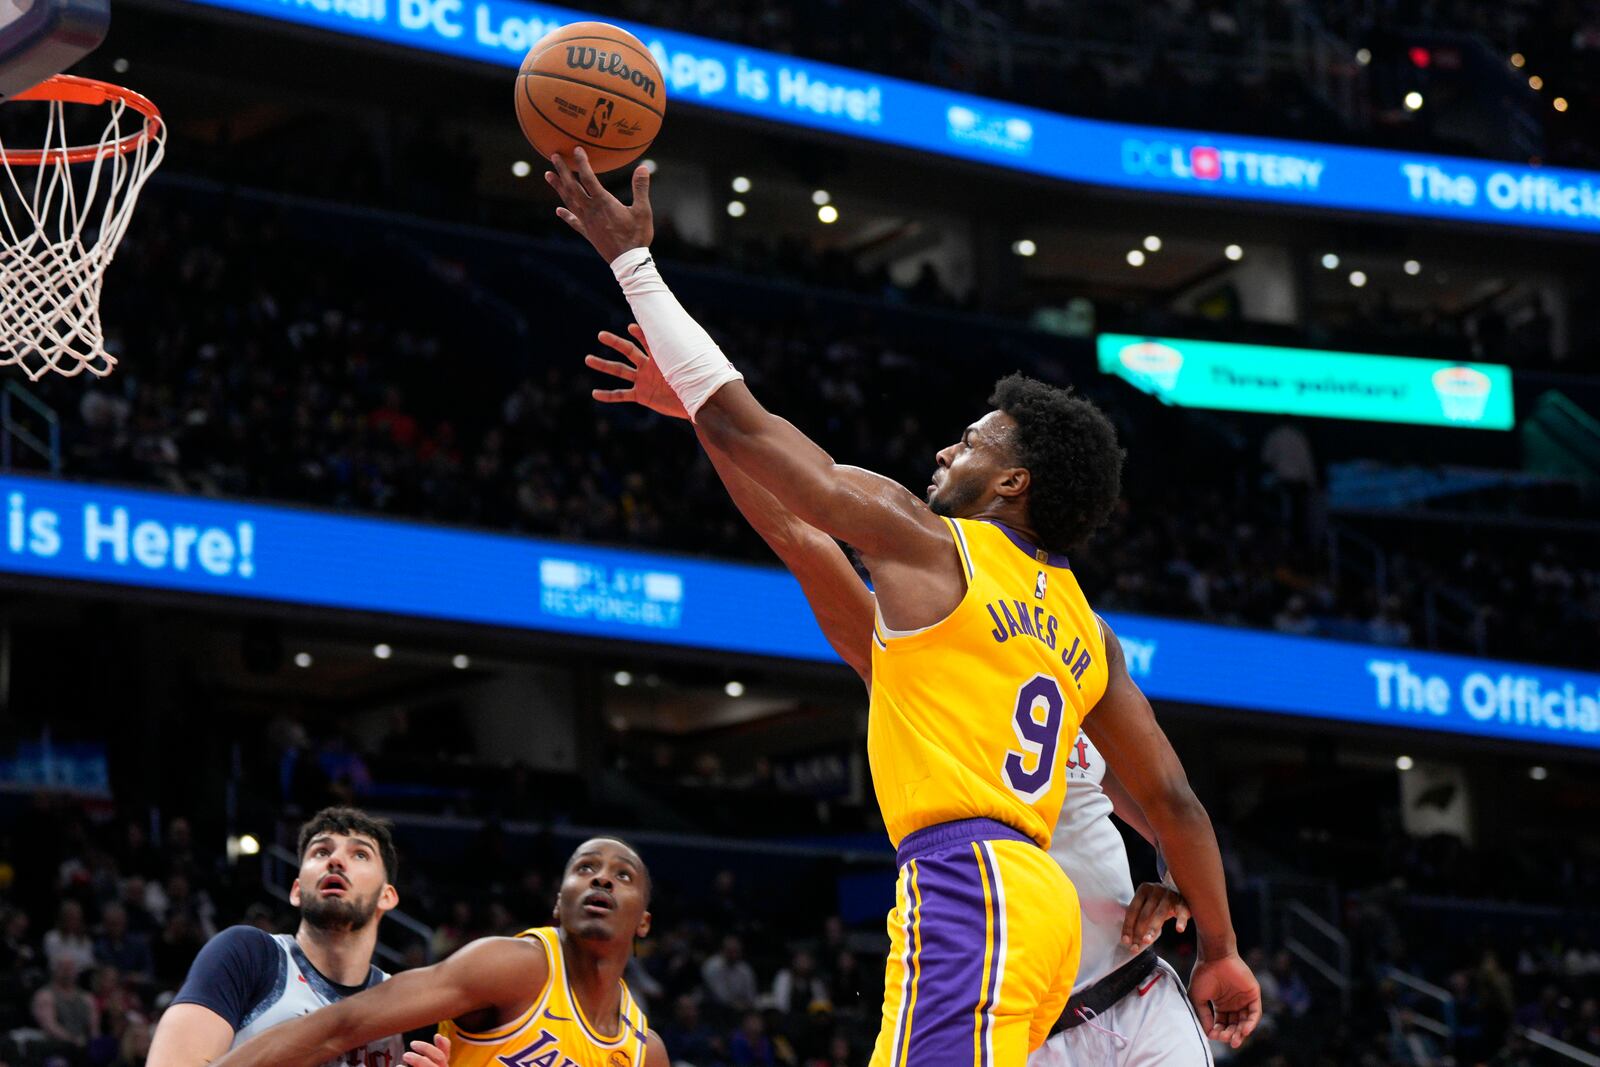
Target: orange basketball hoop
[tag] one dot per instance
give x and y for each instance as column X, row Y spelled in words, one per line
column 64, row 208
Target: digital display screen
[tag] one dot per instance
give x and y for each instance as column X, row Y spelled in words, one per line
column 1295, row 381
column 132, row 538
column 820, row 96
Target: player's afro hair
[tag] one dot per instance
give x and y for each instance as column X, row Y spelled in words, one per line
column 1070, row 451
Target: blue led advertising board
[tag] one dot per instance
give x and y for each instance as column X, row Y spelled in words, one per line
column 142, row 539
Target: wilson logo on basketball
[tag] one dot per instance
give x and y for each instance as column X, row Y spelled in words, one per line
column 583, row 57
column 600, row 116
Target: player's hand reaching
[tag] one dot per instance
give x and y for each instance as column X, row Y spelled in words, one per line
column 647, row 387
column 1152, row 905
column 428, row 1054
column 1227, row 998
column 610, row 225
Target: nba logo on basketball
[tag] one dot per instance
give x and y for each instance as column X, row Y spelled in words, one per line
column 600, row 116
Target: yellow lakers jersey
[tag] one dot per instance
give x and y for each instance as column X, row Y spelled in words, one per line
column 973, row 716
column 553, row 1031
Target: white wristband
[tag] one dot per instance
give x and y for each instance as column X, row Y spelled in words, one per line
column 689, row 359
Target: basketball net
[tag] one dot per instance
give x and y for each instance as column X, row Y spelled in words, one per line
column 63, row 210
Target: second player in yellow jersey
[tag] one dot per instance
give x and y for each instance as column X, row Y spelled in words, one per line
column 553, row 1031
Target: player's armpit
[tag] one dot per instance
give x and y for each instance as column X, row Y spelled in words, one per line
column 655, row 1051
column 189, row 1035
column 481, row 975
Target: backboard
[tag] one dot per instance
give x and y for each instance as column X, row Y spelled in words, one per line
column 39, row 38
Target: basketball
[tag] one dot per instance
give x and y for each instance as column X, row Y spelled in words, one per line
column 594, row 85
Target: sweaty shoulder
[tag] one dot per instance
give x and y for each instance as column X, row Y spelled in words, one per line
column 234, row 972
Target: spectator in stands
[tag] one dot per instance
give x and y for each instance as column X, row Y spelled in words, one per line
column 19, row 957
column 134, row 1048
column 1293, row 993
column 729, row 979
column 183, row 898
column 750, row 1045
column 181, row 938
column 798, row 986
column 455, row 931
column 113, row 1001
column 64, row 1012
column 1387, row 627
column 179, row 856
column 689, row 1038
column 69, row 941
column 134, row 854
column 118, row 947
column 135, row 901
column 1293, row 619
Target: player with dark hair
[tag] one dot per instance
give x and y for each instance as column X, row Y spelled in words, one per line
column 1128, row 1006
column 986, row 659
column 246, row 981
column 550, row 997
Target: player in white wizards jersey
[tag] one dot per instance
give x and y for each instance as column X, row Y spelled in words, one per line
column 245, row 980
column 1128, row 1006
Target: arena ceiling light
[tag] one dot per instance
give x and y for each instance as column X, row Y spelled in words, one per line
column 1404, row 763
column 1536, row 83
column 649, row 166
column 1363, row 56
column 521, row 168
column 460, row 661
column 1152, row 243
column 736, row 209
column 622, row 678
column 1559, row 103
column 741, row 185
column 302, row 659
column 1136, row 258
column 382, row 651
column 1538, row 774
column 120, row 65
column 1024, row 247
column 249, row 845
column 1358, row 278
column 821, row 197
column 1234, row 252
column 734, row 689
column 1330, row 261
column 1414, row 101
column 1413, row 268
column 828, row 213
column 1518, row 60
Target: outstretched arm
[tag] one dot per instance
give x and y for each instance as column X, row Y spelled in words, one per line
column 878, row 516
column 1124, row 729
column 481, row 975
column 838, row 597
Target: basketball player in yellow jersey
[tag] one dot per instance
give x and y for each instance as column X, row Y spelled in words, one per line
column 985, row 660
column 549, row 997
